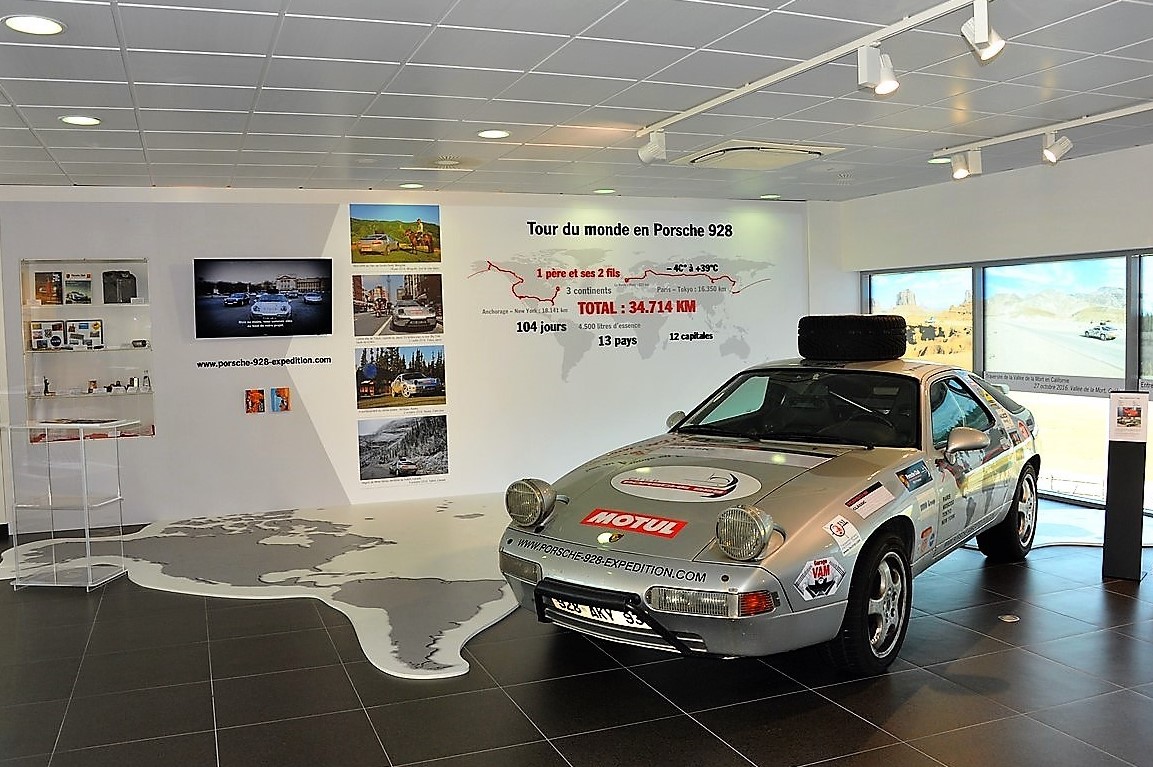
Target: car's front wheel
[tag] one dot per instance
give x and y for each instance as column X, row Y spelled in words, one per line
column 1011, row 539
column 877, row 615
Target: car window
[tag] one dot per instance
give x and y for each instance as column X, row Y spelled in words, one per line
column 953, row 405
column 747, row 397
column 1003, row 399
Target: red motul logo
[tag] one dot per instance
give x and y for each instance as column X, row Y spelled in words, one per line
column 637, row 523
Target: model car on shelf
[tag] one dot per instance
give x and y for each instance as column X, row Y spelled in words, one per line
column 791, row 508
column 236, row 299
column 313, row 297
column 271, row 305
column 377, row 243
column 1102, row 331
column 416, row 385
column 410, row 315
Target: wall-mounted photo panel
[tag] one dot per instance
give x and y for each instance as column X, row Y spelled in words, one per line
column 84, row 334
column 399, row 376
column 280, row 399
column 249, row 297
column 395, row 234
column 397, row 304
column 78, row 287
column 937, row 305
column 403, row 447
column 254, row 400
column 44, row 336
column 49, row 288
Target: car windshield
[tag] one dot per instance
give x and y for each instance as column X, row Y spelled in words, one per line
column 850, row 407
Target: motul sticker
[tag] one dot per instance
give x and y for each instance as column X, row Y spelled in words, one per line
column 636, row 523
column 844, row 533
column 819, row 578
column 685, row 484
column 869, row 500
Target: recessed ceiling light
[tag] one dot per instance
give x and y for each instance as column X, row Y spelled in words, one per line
column 939, row 161
column 770, row 197
column 80, row 120
column 412, row 185
column 494, row 133
column 34, row 25
column 604, row 191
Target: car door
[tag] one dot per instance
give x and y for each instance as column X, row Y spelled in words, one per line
column 971, row 483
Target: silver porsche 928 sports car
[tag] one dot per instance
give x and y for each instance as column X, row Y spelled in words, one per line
column 791, row 508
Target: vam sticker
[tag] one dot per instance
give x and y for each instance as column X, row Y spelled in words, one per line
column 819, row 578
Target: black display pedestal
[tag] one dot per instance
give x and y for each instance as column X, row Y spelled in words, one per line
column 1124, row 500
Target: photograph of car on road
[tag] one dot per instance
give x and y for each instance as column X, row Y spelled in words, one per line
column 403, row 447
column 396, row 304
column 395, row 234
column 239, row 298
column 399, row 376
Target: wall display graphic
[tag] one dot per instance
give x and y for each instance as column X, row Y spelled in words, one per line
column 397, row 304
column 250, row 297
column 46, row 335
column 280, row 399
column 399, row 376
column 49, row 287
column 394, row 234
column 1130, row 422
column 938, row 309
column 77, row 287
column 254, row 400
column 84, row 334
column 415, row 446
column 1057, row 326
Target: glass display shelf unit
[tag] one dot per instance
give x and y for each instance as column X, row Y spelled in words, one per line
column 66, row 510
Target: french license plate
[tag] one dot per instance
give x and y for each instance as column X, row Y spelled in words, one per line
column 600, row 614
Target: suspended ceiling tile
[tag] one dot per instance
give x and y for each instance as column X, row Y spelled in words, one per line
column 18, row 137
column 1015, row 61
column 340, row 39
column 110, row 155
column 528, row 15
column 880, row 12
column 621, row 119
column 610, row 58
column 379, row 146
column 85, row 24
column 194, row 69
column 22, row 153
column 104, row 169
column 390, row 127
column 1001, row 97
column 917, row 49
column 485, row 49
column 1142, row 50
column 181, row 120
column 423, row 107
column 789, row 35
column 49, row 117
column 421, row 11
column 925, row 118
column 667, row 97
column 172, row 29
column 10, row 119
column 1100, row 30
column 767, row 105
column 922, row 89
column 715, row 125
column 35, row 92
column 718, row 69
column 1141, row 89
column 33, row 179
column 1000, row 125
column 581, row 136
column 658, row 21
column 316, row 125
column 191, row 158
column 452, row 81
column 1088, row 73
column 318, row 74
column 831, row 80
column 89, row 138
column 197, row 97
column 178, row 140
column 569, row 89
column 313, row 102
column 796, row 131
column 849, row 111
column 60, row 63
column 306, row 159
column 266, row 6
column 1075, row 106
column 501, row 113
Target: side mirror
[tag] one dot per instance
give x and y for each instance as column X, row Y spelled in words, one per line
column 963, row 439
column 675, row 418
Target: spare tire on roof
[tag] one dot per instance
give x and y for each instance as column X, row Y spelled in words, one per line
column 851, row 337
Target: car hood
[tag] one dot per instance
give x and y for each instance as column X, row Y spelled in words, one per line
column 663, row 495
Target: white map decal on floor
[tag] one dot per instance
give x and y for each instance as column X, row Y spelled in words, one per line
column 417, row 579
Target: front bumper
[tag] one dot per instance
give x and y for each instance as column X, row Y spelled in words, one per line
column 604, row 579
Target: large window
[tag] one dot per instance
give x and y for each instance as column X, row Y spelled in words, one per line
column 937, row 306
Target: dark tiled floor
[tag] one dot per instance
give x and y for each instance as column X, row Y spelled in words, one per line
column 126, row 676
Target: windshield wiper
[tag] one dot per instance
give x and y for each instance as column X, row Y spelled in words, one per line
column 713, row 431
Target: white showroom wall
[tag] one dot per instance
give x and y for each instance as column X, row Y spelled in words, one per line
column 697, row 290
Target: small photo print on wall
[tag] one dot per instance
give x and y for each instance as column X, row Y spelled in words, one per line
column 254, row 400
column 395, row 234
column 399, row 376
column 396, row 304
column 78, row 288
column 280, row 399
column 403, row 447
column 49, row 288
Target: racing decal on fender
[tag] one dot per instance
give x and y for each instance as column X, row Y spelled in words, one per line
column 819, row 578
column 844, row 533
column 928, row 538
column 685, row 484
column 637, row 523
column 869, row 500
column 914, row 476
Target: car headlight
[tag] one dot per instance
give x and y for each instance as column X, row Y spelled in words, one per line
column 743, row 532
column 528, row 501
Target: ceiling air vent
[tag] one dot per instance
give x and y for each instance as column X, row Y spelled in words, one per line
column 754, row 155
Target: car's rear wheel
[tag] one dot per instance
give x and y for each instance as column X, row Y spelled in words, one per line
column 877, row 615
column 1011, row 539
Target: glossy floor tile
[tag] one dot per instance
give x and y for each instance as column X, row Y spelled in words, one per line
column 1039, row 663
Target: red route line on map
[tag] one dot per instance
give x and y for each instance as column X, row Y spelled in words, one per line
column 648, row 272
